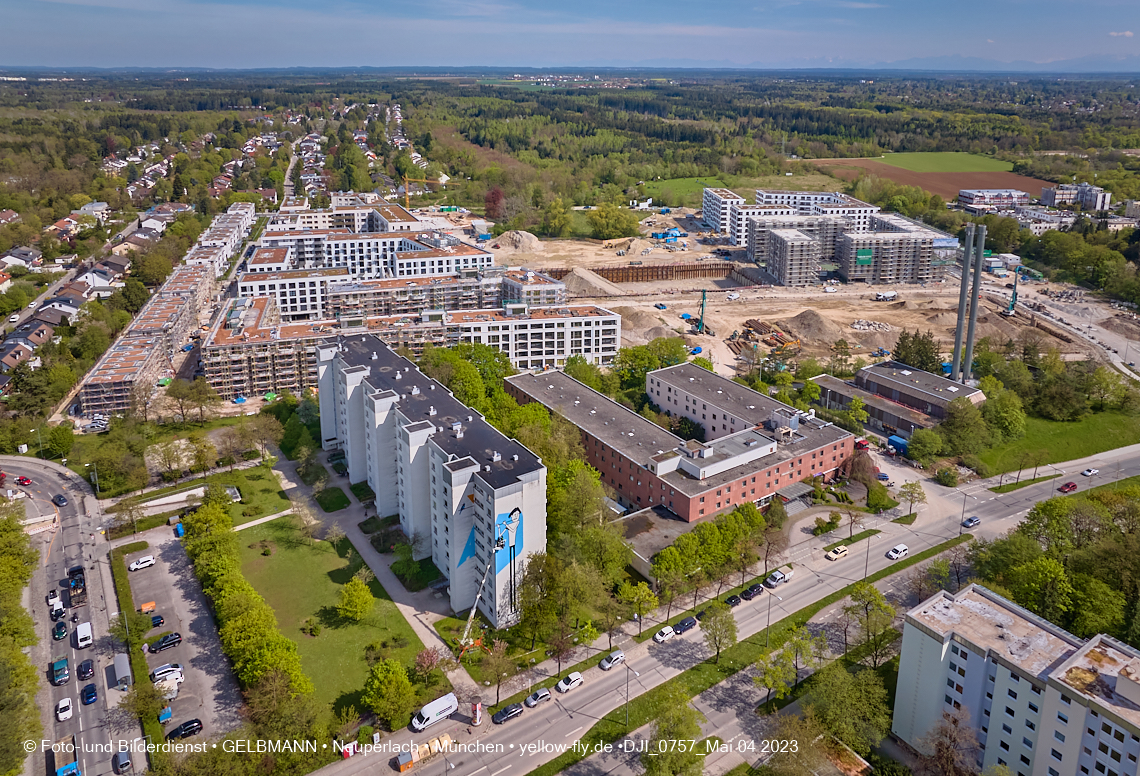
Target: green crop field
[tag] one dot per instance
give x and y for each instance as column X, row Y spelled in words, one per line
column 946, row 161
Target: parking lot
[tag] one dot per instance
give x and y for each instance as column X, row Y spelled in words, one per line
column 210, row 692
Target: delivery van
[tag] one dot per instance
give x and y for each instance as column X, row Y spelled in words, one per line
column 435, row 711
column 83, row 635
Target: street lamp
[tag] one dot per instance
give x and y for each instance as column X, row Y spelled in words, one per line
column 96, row 473
column 41, row 438
column 963, row 518
column 768, row 630
column 628, row 671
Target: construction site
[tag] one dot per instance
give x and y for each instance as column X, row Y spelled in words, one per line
column 704, row 290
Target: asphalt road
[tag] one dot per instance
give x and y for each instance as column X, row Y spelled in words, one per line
column 70, row 545
column 540, row 735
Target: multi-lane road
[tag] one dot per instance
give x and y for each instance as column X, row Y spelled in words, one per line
column 76, row 541
column 541, row 734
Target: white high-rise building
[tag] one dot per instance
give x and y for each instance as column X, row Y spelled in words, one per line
column 716, row 207
column 468, row 497
column 1040, row 701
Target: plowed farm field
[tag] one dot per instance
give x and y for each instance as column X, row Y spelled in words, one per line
column 945, row 184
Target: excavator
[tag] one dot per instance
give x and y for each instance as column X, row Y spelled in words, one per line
column 1009, row 312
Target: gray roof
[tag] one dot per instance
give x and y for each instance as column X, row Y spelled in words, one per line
column 480, row 440
column 935, row 389
column 900, row 411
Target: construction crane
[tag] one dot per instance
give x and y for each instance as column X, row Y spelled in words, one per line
column 407, row 180
column 1009, row 311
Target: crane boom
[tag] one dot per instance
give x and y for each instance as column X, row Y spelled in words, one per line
column 407, row 180
column 465, row 639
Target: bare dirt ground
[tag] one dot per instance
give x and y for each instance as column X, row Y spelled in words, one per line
column 815, row 318
column 945, row 184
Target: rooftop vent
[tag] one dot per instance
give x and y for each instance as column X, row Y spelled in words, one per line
column 487, row 468
column 399, row 375
column 515, row 457
column 374, row 356
column 431, row 410
column 415, row 390
column 470, row 418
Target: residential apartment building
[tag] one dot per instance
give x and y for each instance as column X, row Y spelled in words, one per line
column 740, row 213
column 825, row 230
column 793, row 257
column 467, row 497
column 222, row 240
column 756, row 448
column 716, row 207
column 301, row 294
column 821, row 203
column 894, row 250
column 126, row 374
column 1086, row 195
column 252, row 350
column 1040, row 701
column 992, row 198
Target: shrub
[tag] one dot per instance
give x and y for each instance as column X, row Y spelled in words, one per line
column 826, row 526
column 250, row 455
column 364, row 736
column 947, row 477
column 975, row 463
column 170, row 476
column 878, row 498
column 226, row 461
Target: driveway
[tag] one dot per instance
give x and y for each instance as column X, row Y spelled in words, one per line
column 210, row 692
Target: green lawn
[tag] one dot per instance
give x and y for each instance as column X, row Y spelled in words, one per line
column 946, row 161
column 1017, row 485
column 856, row 538
column 310, row 474
column 301, row 581
column 906, row 519
column 332, row 499
column 426, row 573
column 1060, row 441
column 689, row 191
column 261, row 493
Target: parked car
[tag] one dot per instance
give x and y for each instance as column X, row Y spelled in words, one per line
column 90, row 694
column 86, row 669
column 59, row 631
column 898, row 551
column 23, row 481
column 538, row 696
column 63, row 710
column 157, row 621
column 121, row 762
column 59, row 500
column 164, row 671
column 837, row 552
column 1090, row 472
column 1068, row 487
column 685, row 625
column 144, row 562
column 752, row 592
column 831, row 290
column 664, row 634
column 185, row 730
column 169, row 641
column 733, row 600
column 53, row 596
column 702, row 614
column 612, row 659
column 14, row 318
column 972, row 521
column 660, row 306
column 507, row 713
column 569, row 682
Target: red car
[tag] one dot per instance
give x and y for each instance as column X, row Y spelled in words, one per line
column 1068, row 487
column 23, row 481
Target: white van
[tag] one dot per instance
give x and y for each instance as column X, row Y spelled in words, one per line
column 441, row 708
column 83, row 635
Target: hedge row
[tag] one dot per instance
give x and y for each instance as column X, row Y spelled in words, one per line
column 246, row 623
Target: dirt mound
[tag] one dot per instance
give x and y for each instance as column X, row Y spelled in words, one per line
column 518, row 242
column 634, row 319
column 946, row 318
column 631, row 245
column 1129, row 327
column 584, row 282
column 810, row 326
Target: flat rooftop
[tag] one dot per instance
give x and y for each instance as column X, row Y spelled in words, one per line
column 725, row 194
column 535, row 313
column 992, row 624
column 1095, row 671
column 892, row 374
column 641, row 440
column 873, row 400
column 528, row 278
column 434, row 404
column 294, row 274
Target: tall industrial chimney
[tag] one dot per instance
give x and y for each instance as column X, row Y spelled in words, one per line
column 962, row 292
column 975, row 301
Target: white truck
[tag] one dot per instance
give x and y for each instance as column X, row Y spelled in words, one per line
column 779, row 576
column 886, row 296
column 168, row 687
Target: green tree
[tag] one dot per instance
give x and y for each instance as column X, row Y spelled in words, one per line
column 356, row 600
column 676, row 721
column 180, row 394
column 855, row 411
column 853, row 707
column 703, row 363
column 389, row 693
column 919, row 351
column 609, row 221
column 1097, row 608
column 719, row 628
column 202, row 397
column 873, row 616
column 135, row 295
column 924, row 444
column 1004, row 414
column 640, row 597
column 60, row 440
column 775, row 672
column 1042, row 586
column 499, row 665
column 912, row 493
column 964, row 430
column 556, row 218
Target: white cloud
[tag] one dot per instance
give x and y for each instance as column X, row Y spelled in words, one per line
column 1125, row 34
column 988, row 40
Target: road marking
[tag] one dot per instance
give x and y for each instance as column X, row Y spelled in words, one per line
column 480, row 768
column 496, row 773
column 572, row 732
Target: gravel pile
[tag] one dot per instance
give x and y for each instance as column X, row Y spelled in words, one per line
column 865, row 325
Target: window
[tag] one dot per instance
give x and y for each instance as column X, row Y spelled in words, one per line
column 1004, row 746
column 1065, row 699
column 1056, row 755
column 1057, row 734
column 1030, row 725
column 948, row 699
column 1011, row 694
column 949, row 682
column 1062, row 718
column 1006, row 729
column 1033, row 708
column 1009, row 711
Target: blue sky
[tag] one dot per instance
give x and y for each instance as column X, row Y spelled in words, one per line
column 539, row 33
